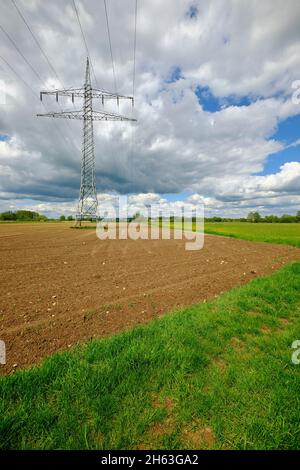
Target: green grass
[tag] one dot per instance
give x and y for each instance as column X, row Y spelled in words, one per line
column 275, row 233
column 288, row 234
column 220, row 369
column 284, row 233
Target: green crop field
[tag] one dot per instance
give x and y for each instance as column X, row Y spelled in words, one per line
column 286, row 233
column 214, row 375
column 275, row 233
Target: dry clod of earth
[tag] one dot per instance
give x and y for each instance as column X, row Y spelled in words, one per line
column 266, row 329
column 167, row 403
column 237, row 343
column 284, row 321
column 220, row 363
column 198, row 436
column 162, row 429
column 52, row 261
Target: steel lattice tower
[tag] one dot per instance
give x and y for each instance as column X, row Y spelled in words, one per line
column 88, row 204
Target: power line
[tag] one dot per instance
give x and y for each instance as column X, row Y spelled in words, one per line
column 33, row 92
column 110, row 47
column 26, row 60
column 21, row 53
column 19, row 76
column 133, row 137
column 134, row 49
column 85, row 42
column 36, row 40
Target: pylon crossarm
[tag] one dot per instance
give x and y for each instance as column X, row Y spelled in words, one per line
column 106, row 95
column 94, row 116
column 104, row 116
column 79, row 93
column 64, row 114
column 72, row 92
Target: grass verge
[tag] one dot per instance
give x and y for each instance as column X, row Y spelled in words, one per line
column 214, row 375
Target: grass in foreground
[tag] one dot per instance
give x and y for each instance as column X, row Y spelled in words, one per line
column 275, row 233
column 215, row 375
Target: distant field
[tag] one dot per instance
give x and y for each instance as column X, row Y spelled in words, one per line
column 288, row 234
column 216, row 375
column 275, row 233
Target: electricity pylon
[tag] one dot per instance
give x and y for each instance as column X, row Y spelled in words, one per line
column 88, row 203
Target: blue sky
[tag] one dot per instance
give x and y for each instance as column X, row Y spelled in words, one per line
column 212, row 103
column 288, row 132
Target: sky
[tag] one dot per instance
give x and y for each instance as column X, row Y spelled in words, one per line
column 217, row 103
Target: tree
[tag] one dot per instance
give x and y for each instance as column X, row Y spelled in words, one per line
column 137, row 215
column 298, row 216
column 62, row 218
column 22, row 215
column 70, row 217
column 287, row 219
column 9, row 215
column 253, row 217
column 270, row 219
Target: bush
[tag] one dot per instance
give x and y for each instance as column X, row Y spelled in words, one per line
column 23, row 215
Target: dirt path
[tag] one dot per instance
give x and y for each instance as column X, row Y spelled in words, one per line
column 60, row 286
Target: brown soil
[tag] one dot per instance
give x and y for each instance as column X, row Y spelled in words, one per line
column 161, row 429
column 167, row 403
column 60, row 286
column 202, row 438
column 266, row 329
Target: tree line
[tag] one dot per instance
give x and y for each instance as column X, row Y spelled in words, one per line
column 29, row 216
column 23, row 215
column 255, row 217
